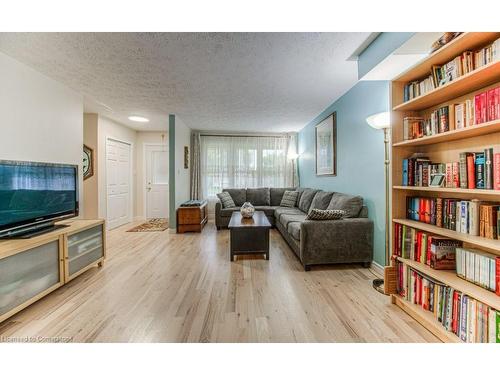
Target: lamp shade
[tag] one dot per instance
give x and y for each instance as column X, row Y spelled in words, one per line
column 380, row 120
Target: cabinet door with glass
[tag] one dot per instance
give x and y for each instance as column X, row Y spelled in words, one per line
column 28, row 275
column 84, row 250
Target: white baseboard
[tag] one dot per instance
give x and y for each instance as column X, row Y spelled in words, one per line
column 377, row 268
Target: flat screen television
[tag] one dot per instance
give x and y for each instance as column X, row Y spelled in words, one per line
column 35, row 195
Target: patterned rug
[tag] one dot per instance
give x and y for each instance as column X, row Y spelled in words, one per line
column 152, row 225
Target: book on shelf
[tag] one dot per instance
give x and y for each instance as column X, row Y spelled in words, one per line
column 479, row 267
column 481, row 108
column 473, row 170
column 473, row 217
column 459, row 66
column 435, row 251
column 469, row 319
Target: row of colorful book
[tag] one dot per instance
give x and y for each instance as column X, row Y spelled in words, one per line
column 442, row 74
column 474, row 217
column 474, row 170
column 442, row 253
column 483, row 107
column 479, row 267
column 469, row 319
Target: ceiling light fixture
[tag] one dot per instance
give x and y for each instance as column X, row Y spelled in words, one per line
column 138, row 119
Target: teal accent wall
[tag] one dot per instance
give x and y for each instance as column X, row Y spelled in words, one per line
column 360, row 153
column 379, row 49
column 172, row 220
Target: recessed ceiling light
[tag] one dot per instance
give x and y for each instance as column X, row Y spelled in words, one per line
column 138, row 119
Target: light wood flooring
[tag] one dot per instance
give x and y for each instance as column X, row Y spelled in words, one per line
column 166, row 287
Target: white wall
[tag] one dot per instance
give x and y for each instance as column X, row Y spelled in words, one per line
column 143, row 138
column 42, row 120
column 109, row 129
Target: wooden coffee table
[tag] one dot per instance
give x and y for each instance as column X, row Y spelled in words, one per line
column 249, row 236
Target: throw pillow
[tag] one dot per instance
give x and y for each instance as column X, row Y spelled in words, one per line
column 317, row 214
column 226, row 200
column 289, row 198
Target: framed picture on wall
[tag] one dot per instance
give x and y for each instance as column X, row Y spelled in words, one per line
column 326, row 146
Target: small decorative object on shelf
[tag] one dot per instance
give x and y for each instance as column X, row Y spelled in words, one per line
column 247, row 210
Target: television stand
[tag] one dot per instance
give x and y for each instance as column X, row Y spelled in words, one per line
column 34, row 231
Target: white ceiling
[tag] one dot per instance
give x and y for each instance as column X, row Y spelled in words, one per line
column 263, row 82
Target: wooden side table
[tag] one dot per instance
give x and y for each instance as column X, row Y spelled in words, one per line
column 192, row 218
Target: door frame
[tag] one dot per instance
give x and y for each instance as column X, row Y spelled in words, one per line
column 144, row 175
column 131, row 177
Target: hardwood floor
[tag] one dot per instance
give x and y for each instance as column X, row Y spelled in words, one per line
column 165, row 287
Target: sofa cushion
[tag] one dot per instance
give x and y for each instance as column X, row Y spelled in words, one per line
column 321, row 200
column 226, row 199
column 286, row 219
column 316, row 214
column 289, row 199
column 349, row 203
column 239, row 195
column 286, row 210
column 294, row 230
column 276, row 195
column 306, row 199
column 259, row 196
column 268, row 210
column 227, row 212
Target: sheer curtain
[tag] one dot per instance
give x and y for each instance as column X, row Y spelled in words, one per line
column 243, row 161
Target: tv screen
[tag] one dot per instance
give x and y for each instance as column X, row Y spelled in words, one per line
column 36, row 192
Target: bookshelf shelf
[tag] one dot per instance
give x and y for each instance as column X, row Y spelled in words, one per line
column 466, row 41
column 451, row 279
column 443, row 148
column 476, row 79
column 453, row 135
column 425, row 318
column 492, row 246
column 450, row 190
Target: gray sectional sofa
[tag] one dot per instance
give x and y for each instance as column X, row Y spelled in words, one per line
column 349, row 240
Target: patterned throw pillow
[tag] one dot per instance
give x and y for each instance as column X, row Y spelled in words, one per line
column 226, row 200
column 289, row 198
column 317, row 214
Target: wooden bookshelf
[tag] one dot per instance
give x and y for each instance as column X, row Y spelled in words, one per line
column 492, row 246
column 453, row 135
column 443, row 148
column 450, row 278
column 456, row 191
column 476, row 79
column 426, row 318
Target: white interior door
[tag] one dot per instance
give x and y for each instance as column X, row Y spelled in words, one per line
column 156, row 183
column 118, row 183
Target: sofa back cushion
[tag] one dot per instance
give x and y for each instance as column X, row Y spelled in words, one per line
column 349, row 203
column 306, row 199
column 259, row 196
column 239, row 195
column 277, row 195
column 321, row 200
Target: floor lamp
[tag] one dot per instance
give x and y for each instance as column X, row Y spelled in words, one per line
column 382, row 121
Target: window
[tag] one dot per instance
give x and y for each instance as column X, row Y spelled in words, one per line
column 240, row 162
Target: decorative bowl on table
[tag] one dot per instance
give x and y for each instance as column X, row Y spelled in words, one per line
column 247, row 210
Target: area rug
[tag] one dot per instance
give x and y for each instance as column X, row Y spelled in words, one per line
column 152, row 225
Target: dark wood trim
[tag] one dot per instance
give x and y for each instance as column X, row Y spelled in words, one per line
column 92, row 160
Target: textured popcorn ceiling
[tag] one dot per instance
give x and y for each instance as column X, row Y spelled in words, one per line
column 216, row 81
